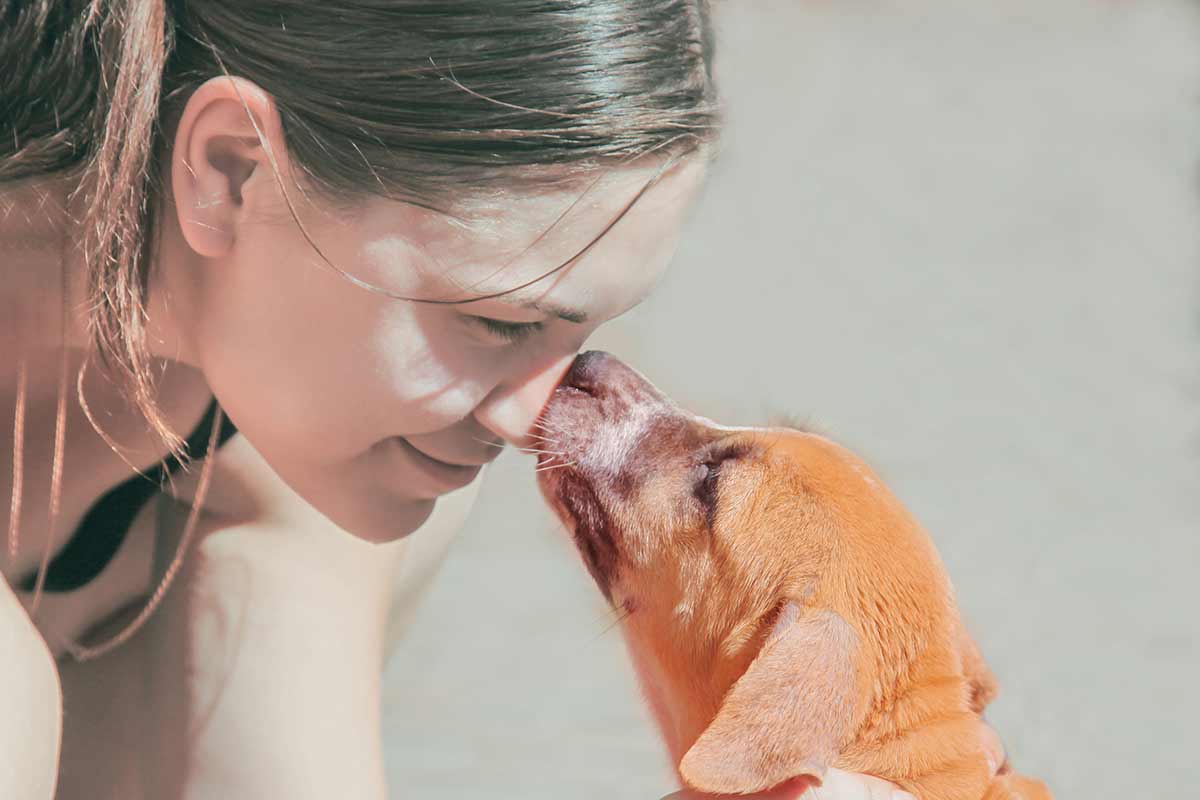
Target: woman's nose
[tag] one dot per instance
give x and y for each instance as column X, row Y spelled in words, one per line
column 512, row 408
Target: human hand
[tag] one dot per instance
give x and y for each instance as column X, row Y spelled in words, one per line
column 837, row 785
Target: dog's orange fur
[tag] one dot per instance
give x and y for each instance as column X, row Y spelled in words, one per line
column 807, row 624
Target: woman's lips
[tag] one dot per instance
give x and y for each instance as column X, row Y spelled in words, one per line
column 433, row 476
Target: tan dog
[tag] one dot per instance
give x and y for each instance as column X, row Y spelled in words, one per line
column 784, row 612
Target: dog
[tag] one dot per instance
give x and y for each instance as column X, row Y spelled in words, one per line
column 784, row 612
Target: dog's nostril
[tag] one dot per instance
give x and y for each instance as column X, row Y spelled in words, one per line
column 575, row 388
column 586, row 372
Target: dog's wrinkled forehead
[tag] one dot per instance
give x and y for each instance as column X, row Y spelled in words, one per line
column 620, row 438
column 643, row 446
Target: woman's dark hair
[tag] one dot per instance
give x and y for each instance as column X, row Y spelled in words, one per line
column 419, row 100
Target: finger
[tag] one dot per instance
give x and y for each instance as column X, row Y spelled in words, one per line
column 791, row 790
column 993, row 748
column 783, row 793
column 839, row 785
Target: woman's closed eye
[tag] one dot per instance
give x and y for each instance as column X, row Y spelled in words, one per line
column 506, row 330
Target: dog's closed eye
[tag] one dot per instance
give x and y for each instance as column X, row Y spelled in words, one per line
column 707, row 475
column 704, row 487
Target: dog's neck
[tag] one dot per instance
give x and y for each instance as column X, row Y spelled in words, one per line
column 681, row 703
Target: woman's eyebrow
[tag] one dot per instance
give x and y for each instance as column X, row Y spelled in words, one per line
column 552, row 310
column 540, row 306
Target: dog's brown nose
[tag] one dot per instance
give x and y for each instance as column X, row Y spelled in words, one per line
column 590, row 371
column 608, row 379
column 604, row 387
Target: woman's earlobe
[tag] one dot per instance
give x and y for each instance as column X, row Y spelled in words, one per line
column 202, row 235
column 201, row 225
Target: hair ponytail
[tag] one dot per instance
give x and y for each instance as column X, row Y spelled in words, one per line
column 121, row 182
column 80, row 88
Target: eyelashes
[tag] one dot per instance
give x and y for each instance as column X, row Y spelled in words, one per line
column 507, row 331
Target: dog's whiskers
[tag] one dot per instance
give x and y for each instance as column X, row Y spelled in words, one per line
column 547, row 428
column 549, row 467
column 621, row 616
column 536, row 452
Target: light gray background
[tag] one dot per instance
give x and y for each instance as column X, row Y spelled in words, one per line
column 960, row 237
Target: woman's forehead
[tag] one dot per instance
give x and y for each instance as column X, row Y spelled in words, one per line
column 615, row 227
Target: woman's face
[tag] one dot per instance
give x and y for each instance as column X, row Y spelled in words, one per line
column 371, row 407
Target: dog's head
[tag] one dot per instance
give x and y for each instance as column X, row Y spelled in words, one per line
column 762, row 574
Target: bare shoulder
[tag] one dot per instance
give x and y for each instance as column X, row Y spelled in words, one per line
column 31, row 726
column 25, row 651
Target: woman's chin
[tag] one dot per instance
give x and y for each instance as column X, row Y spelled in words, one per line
column 376, row 517
column 381, row 525
column 358, row 502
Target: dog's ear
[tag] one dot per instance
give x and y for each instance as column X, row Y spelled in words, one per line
column 787, row 715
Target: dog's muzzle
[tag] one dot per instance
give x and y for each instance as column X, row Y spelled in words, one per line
column 603, row 427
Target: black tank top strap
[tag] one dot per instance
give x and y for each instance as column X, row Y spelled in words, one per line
column 104, row 527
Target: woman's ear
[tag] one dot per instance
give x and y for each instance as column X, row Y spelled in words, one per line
column 219, row 156
column 787, row 716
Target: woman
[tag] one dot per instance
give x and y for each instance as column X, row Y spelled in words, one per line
column 373, row 234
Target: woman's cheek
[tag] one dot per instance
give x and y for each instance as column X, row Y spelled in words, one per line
column 426, row 377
